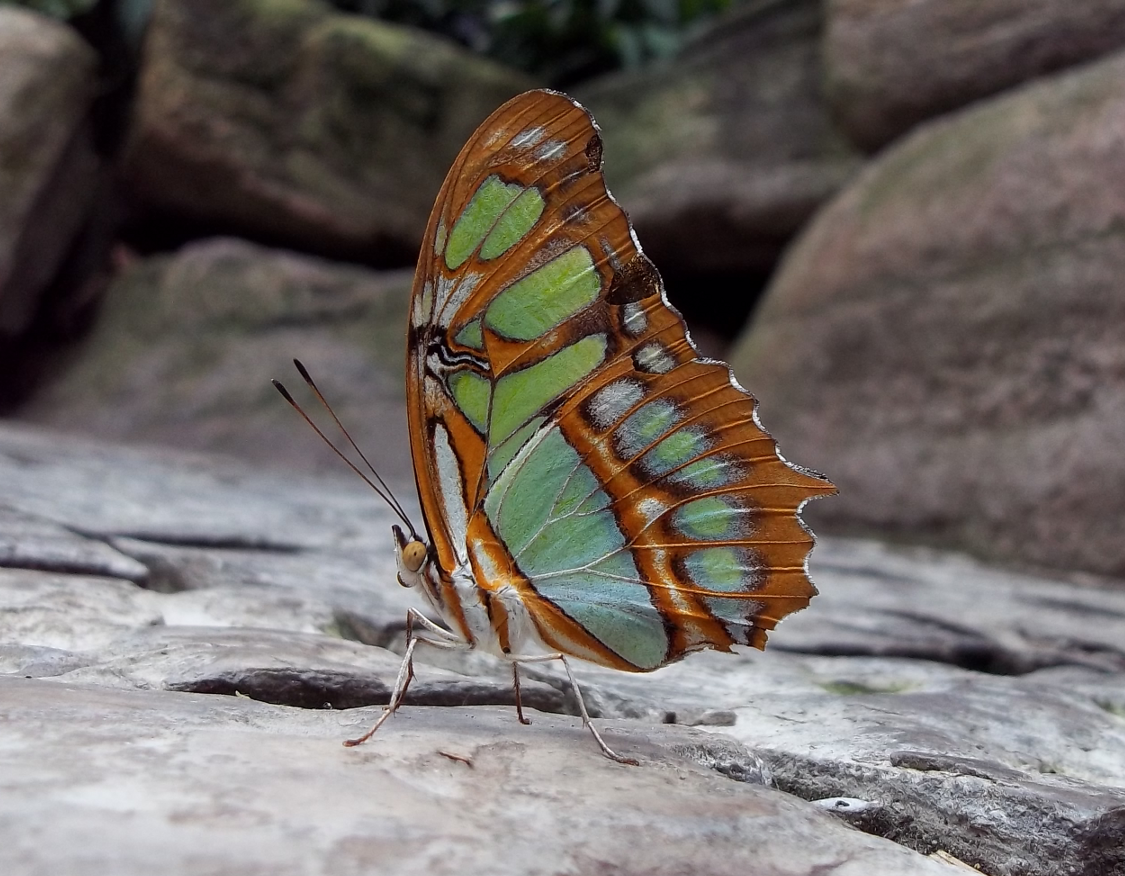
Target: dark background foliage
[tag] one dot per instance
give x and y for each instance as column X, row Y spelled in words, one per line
column 561, row 41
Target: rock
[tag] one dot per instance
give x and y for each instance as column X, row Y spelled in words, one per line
column 722, row 154
column 48, row 168
column 930, row 751
column 29, row 541
column 890, row 64
column 260, row 584
column 294, row 124
column 451, row 793
column 185, row 345
column 946, row 338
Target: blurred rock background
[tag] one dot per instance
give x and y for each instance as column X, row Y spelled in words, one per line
column 903, row 221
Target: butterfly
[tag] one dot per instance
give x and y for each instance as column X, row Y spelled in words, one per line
column 591, row 487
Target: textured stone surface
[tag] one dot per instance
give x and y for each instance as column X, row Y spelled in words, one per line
column 947, row 338
column 289, row 122
column 954, row 707
column 890, row 64
column 721, row 155
column 180, row 783
column 943, row 757
column 184, row 347
column 28, row 541
column 48, row 169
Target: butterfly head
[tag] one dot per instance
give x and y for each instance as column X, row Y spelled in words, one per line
column 411, row 554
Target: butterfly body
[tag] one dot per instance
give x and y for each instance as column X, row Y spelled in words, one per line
column 492, row 619
column 591, row 487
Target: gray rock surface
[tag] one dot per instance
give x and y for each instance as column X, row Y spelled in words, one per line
column 293, row 123
column 923, row 698
column 184, row 347
column 890, row 64
column 140, row 782
column 947, row 338
column 720, row 155
column 48, row 169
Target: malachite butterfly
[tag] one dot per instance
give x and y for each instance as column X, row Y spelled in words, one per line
column 591, row 487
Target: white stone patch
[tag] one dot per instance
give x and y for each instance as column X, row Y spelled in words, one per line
column 550, row 150
column 527, row 138
column 654, row 358
column 609, row 404
column 452, row 493
column 636, row 320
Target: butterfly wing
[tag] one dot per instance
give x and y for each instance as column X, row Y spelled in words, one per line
column 569, row 443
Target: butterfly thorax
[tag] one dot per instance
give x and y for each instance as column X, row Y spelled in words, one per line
column 493, row 617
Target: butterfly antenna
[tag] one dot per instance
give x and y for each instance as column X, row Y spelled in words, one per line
column 308, row 379
column 385, row 492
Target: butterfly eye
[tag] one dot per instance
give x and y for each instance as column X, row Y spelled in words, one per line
column 413, row 555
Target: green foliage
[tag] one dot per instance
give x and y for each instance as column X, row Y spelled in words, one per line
column 561, row 41
column 65, row 9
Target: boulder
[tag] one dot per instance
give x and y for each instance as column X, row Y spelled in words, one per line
column 166, row 613
column 184, row 347
column 890, row 64
column 48, row 168
column 720, row 155
column 947, row 338
column 291, row 123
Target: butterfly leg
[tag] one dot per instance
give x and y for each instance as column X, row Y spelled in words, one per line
column 516, row 688
column 413, row 616
column 586, row 720
column 606, row 750
column 442, row 638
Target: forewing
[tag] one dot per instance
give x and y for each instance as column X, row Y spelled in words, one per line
column 519, row 193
